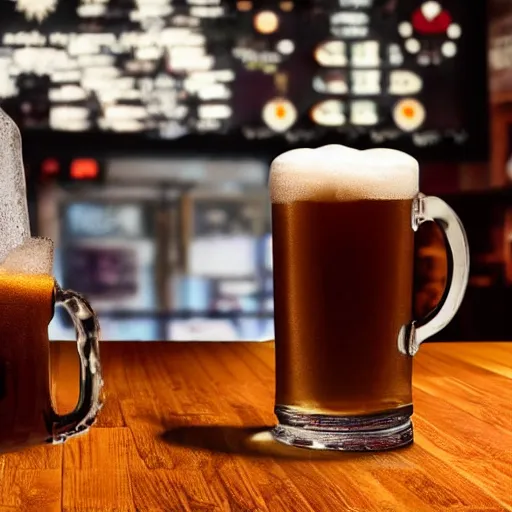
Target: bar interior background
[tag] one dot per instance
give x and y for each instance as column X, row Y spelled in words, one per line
column 148, row 131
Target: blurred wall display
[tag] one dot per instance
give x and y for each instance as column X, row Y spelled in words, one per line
column 221, row 274
column 405, row 73
column 176, row 248
column 223, row 240
column 107, row 252
column 198, row 329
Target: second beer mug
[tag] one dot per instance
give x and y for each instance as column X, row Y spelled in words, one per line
column 343, row 225
column 28, row 294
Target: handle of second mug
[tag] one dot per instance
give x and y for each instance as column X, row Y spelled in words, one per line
column 91, row 381
column 433, row 209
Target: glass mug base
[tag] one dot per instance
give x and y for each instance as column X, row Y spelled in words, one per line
column 382, row 431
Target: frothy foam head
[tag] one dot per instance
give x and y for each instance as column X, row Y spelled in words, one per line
column 339, row 173
column 34, row 256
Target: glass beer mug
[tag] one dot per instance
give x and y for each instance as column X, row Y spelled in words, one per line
column 28, row 294
column 343, row 225
column 27, row 299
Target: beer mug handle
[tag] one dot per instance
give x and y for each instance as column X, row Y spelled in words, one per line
column 91, row 381
column 433, row 209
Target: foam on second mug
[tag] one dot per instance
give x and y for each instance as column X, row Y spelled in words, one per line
column 33, row 257
column 339, row 173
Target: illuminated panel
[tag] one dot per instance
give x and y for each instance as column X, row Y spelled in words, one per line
column 329, row 113
column 366, row 82
column 365, row 54
column 279, row 114
column 409, row 114
column 331, row 53
column 364, row 113
column 422, row 32
column 431, row 18
column 37, row 10
column 168, row 68
column 404, row 82
column 266, row 22
column 84, row 169
column 333, row 82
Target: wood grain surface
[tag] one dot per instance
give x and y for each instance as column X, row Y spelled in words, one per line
column 185, row 428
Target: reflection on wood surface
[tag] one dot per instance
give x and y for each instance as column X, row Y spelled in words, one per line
column 185, row 427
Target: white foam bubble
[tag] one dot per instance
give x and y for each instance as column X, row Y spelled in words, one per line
column 14, row 220
column 33, row 256
column 340, row 173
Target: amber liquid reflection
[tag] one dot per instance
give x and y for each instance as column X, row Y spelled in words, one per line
column 343, row 279
column 25, row 311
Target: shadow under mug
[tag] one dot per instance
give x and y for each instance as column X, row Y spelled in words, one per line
column 27, row 415
column 345, row 335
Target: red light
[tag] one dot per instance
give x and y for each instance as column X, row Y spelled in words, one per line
column 280, row 112
column 437, row 25
column 84, row 169
column 50, row 167
column 408, row 112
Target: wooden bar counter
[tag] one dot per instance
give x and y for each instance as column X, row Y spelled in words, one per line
column 185, row 428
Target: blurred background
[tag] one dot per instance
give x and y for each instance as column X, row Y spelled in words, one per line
column 149, row 126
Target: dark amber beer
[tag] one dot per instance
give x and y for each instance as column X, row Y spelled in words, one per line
column 343, row 224
column 26, row 308
column 337, row 318
column 343, row 249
